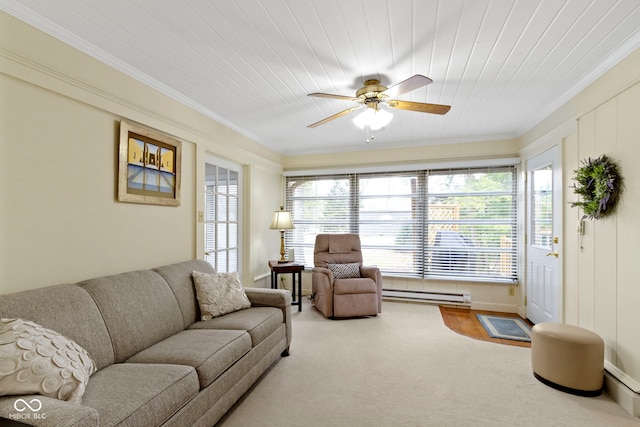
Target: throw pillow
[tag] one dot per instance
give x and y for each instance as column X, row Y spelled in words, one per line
column 37, row 360
column 345, row 271
column 219, row 293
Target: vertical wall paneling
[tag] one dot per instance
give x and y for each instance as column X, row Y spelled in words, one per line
column 571, row 239
column 605, row 230
column 628, row 277
column 586, row 298
column 602, row 279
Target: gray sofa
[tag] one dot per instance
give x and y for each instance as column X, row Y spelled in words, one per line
column 158, row 364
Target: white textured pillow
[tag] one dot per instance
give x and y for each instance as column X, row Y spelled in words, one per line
column 37, row 360
column 219, row 293
column 345, row 271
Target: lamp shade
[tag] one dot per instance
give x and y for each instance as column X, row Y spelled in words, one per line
column 281, row 220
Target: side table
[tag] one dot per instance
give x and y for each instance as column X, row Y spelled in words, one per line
column 289, row 267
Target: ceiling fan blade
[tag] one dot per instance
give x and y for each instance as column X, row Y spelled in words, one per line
column 329, row 95
column 419, row 107
column 335, row 116
column 412, row 83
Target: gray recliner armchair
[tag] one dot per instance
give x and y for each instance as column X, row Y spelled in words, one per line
column 341, row 285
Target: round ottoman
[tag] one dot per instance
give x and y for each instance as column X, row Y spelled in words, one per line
column 568, row 358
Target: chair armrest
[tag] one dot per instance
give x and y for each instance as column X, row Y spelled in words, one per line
column 371, row 272
column 325, row 271
column 322, row 280
column 53, row 412
column 322, row 290
column 374, row 274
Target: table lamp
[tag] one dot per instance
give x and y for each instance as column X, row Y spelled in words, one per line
column 281, row 221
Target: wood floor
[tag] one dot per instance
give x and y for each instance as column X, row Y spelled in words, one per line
column 465, row 322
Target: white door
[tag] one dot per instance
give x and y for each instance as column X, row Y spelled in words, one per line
column 222, row 214
column 544, row 200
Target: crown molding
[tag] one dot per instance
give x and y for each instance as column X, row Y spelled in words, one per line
column 24, row 14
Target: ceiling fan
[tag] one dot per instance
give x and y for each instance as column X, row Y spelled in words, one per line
column 373, row 94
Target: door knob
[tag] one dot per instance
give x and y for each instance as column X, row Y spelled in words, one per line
column 554, row 253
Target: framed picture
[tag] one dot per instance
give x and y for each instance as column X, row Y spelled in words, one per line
column 149, row 166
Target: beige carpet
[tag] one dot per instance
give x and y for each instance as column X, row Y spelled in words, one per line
column 406, row 368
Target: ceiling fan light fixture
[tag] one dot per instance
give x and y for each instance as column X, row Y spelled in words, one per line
column 374, row 118
column 374, row 95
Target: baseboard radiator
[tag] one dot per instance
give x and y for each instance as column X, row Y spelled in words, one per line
column 434, row 297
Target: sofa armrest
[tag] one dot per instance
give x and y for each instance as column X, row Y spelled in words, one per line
column 269, row 297
column 279, row 298
column 52, row 412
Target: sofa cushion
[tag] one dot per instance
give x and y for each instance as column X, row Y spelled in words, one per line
column 179, row 278
column 37, row 360
column 210, row 352
column 53, row 413
column 139, row 309
column 219, row 293
column 62, row 308
column 128, row 394
column 259, row 322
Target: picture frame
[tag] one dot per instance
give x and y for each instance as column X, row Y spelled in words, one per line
column 149, row 166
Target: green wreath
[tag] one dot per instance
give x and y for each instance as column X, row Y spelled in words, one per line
column 599, row 184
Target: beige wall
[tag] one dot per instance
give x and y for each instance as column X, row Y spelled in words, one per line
column 601, row 279
column 60, row 221
column 370, row 156
column 59, row 218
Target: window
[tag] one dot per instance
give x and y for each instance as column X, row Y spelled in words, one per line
column 390, row 221
column 222, row 215
column 446, row 224
column 542, row 207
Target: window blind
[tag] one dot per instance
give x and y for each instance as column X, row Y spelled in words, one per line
column 447, row 224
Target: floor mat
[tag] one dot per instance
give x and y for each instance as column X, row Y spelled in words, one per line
column 508, row 328
column 465, row 322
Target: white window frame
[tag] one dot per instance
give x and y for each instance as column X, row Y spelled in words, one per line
column 352, row 223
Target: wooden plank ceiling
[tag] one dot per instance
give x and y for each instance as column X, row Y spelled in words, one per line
column 503, row 65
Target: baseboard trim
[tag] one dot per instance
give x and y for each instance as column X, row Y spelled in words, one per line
column 487, row 306
column 622, row 394
column 622, row 377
